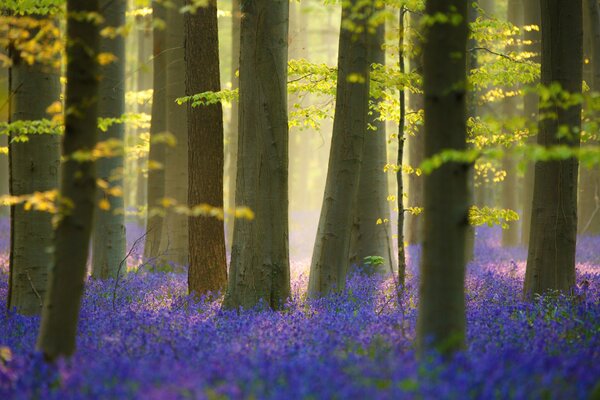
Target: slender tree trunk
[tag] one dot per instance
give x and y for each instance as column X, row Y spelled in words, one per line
column 531, row 16
column 174, row 241
column 157, row 154
column 4, row 116
column 232, row 140
column 551, row 256
column 77, row 186
column 260, row 269
column 589, row 178
column 208, row 264
column 416, row 142
column 109, row 227
column 400, row 157
column 33, row 168
column 329, row 267
column 441, row 319
column 371, row 238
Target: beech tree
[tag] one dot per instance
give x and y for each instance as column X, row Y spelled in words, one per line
column 551, row 254
column 108, row 236
column 260, row 269
column 77, row 197
column 33, row 168
column 441, row 314
column 208, row 264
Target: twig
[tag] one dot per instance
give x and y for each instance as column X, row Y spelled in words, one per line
column 34, row 289
column 500, row 55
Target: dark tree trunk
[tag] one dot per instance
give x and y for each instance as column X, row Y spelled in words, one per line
column 441, row 319
column 551, row 256
column 208, row 264
column 400, row 158
column 260, row 268
column 77, row 187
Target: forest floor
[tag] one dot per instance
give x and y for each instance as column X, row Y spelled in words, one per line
column 147, row 339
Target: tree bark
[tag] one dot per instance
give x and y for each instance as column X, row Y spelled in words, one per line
column 109, row 226
column 77, row 187
column 329, row 267
column 400, row 156
column 157, row 154
column 260, row 269
column 441, row 317
column 551, row 256
column 33, row 168
column 208, row 264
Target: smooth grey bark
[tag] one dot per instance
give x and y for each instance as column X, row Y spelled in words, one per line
column 589, row 178
column 33, row 168
column 208, row 264
column 551, row 255
column 370, row 238
column 329, row 267
column 416, row 143
column 108, row 236
column 531, row 16
column 175, row 240
column 157, row 154
column 441, row 314
column 77, row 187
column 260, row 269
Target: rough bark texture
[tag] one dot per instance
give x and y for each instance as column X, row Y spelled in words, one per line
column 260, row 269
column 33, row 168
column 156, row 156
column 77, row 187
column 329, row 267
column 589, row 178
column 208, row 264
column 531, row 16
column 416, row 142
column 551, row 256
column 174, row 241
column 441, row 319
column 109, row 226
column 371, row 238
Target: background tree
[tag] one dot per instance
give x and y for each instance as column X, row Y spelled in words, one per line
column 441, row 316
column 551, row 255
column 260, row 268
column 208, row 264
column 77, row 185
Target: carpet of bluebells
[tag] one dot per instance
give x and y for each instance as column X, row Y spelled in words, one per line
column 145, row 338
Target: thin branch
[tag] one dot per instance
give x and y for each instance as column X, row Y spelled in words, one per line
column 506, row 56
column 34, row 289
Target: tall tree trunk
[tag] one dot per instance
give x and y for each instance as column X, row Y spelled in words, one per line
column 371, row 238
column 531, row 16
column 4, row 116
column 589, row 178
column 416, row 142
column 510, row 236
column 260, row 268
column 109, row 226
column 208, row 264
column 77, row 186
column 174, row 241
column 157, row 154
column 441, row 319
column 551, row 256
column 232, row 140
column 329, row 267
column 33, row 168
column 400, row 155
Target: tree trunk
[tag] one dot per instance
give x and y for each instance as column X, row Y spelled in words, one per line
column 4, row 116
column 531, row 16
column 441, row 318
column 208, row 264
column 156, row 156
column 109, row 227
column 260, row 269
column 77, row 187
column 33, row 168
column 174, row 241
column 371, row 238
column 551, row 256
column 400, row 157
column 589, row 178
column 329, row 267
